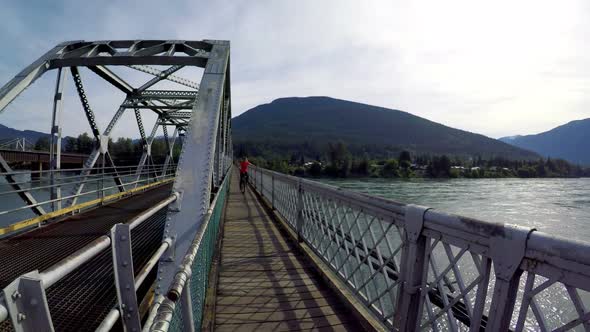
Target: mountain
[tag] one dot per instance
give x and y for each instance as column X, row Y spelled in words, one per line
column 30, row 135
column 570, row 141
column 312, row 121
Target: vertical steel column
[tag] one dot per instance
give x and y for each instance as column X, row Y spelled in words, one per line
column 217, row 161
column 147, row 152
column 124, row 277
column 187, row 307
column 300, row 212
column 261, row 183
column 104, row 148
column 55, row 144
column 413, row 270
column 170, row 155
column 194, row 173
column 272, row 193
column 93, row 157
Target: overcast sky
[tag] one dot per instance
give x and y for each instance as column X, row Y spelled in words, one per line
column 496, row 67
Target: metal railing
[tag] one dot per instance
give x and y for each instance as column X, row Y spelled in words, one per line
column 181, row 309
column 26, row 302
column 416, row 268
column 46, row 187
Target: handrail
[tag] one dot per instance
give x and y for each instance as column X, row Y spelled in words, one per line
column 179, row 286
column 342, row 226
column 113, row 315
column 101, row 187
column 56, row 272
column 18, row 226
column 575, row 251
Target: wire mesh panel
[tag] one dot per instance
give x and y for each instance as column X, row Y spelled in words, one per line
column 418, row 269
column 554, row 292
column 362, row 247
column 455, row 287
column 202, row 264
column 198, row 282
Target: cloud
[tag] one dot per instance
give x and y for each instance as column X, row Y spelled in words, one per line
column 497, row 68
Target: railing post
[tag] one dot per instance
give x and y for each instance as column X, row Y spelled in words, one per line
column 261, row 184
column 300, row 212
column 412, row 271
column 507, row 250
column 124, row 277
column 187, row 307
column 272, row 192
column 27, row 304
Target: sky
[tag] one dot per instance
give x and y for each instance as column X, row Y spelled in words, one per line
column 497, row 68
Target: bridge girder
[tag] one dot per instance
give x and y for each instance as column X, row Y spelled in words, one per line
column 200, row 116
column 173, row 107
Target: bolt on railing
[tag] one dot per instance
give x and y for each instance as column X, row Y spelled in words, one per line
column 415, row 268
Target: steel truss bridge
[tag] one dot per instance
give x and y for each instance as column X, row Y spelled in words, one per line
column 175, row 246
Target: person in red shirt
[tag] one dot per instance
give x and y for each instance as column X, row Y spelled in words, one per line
column 244, row 173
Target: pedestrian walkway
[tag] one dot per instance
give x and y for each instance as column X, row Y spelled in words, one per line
column 264, row 283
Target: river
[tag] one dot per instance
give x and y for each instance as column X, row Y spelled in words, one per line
column 556, row 206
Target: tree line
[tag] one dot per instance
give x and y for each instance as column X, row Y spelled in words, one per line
column 125, row 151
column 338, row 161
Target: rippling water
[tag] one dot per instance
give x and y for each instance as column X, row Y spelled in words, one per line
column 555, row 206
column 11, row 201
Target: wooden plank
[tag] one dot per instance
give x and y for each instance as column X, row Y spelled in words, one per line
column 288, row 325
column 269, row 291
column 298, row 283
column 263, row 283
column 318, row 314
column 244, row 268
column 258, row 276
column 280, row 326
column 331, row 302
column 288, row 259
column 274, row 300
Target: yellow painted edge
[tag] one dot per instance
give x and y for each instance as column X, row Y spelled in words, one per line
column 36, row 220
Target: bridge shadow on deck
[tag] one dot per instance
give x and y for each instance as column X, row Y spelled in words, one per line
column 264, row 282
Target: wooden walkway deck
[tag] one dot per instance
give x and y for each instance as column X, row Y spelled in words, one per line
column 264, row 283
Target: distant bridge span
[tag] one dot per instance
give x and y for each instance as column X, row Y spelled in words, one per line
column 106, row 247
column 16, row 156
